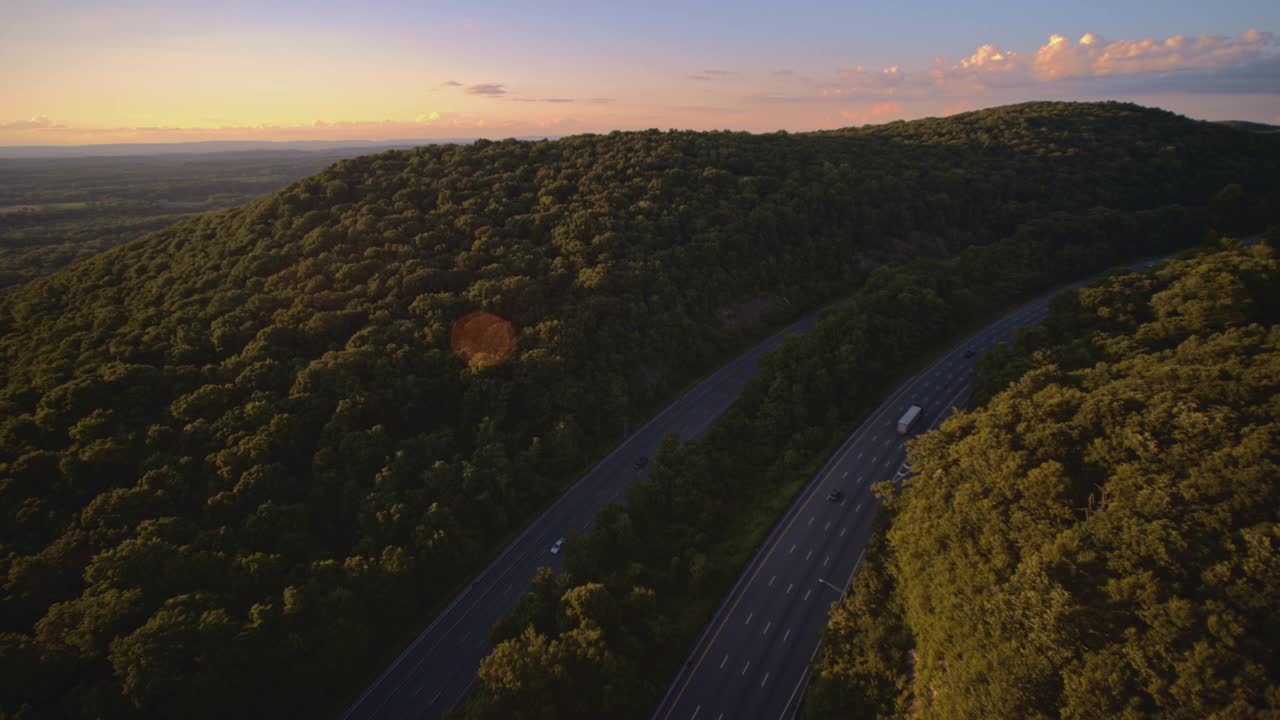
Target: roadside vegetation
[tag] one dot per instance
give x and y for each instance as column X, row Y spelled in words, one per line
column 1101, row 537
column 239, row 457
column 683, row 536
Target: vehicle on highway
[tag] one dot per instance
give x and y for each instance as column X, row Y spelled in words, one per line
column 908, row 419
column 835, row 496
column 969, row 353
column 555, row 547
column 642, row 462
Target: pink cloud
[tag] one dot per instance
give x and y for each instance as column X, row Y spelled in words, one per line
column 878, row 112
column 1094, row 57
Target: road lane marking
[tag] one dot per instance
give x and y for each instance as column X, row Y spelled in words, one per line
column 744, row 667
column 793, row 549
column 749, row 616
column 827, row 561
column 806, row 593
column 433, row 699
column 422, row 685
column 809, row 555
column 695, row 713
column 766, row 628
column 859, row 456
column 789, row 588
column 842, row 532
column 725, row 660
column 845, row 475
column 765, row 680
column 874, row 459
column 786, row 635
column 827, row 526
column 858, row 508
column 810, row 521
column 861, row 478
column 775, row 577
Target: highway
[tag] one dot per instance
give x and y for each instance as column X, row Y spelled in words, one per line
column 753, row 658
column 436, row 670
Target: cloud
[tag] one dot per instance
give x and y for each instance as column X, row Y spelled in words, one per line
column 541, row 100
column 450, row 83
column 428, row 117
column 39, row 122
column 712, row 75
column 878, row 112
column 1092, row 56
column 1089, row 67
column 598, row 101
column 487, row 89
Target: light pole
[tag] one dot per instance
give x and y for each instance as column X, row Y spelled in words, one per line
column 833, row 587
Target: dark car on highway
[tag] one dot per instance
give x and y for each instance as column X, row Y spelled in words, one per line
column 642, row 462
column 835, row 496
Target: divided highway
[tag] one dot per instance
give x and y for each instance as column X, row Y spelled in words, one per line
column 752, row 660
column 435, row 671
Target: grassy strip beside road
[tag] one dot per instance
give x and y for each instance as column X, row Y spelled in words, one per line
column 605, row 637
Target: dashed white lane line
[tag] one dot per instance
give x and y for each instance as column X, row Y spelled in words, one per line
column 789, row 588
column 694, row 716
column 793, row 549
column 786, row 635
column 765, row 680
column 842, row 532
column 806, row 593
column 434, row 698
column 725, row 660
column 874, row 459
column 421, row 686
column 845, row 475
column 827, row 526
column 858, row 508
column 744, row 667
column 766, row 628
column 859, row 456
column 749, row 616
column 861, row 478
column 809, row 555
column 827, row 561
column 810, row 521
column 775, row 577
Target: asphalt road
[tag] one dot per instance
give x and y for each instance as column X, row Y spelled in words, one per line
column 752, row 660
column 436, row 670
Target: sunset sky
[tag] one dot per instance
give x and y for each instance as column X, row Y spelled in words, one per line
column 74, row 72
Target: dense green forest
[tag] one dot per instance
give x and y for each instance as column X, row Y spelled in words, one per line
column 681, row 539
column 54, row 211
column 1101, row 538
column 238, row 460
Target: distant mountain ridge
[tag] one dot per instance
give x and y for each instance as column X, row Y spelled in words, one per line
column 216, row 146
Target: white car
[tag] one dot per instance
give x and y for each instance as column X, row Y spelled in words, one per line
column 555, row 547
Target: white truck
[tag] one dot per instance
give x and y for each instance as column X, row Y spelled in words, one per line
column 908, row 419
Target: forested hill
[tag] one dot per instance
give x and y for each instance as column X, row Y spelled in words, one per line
column 1101, row 539
column 239, row 458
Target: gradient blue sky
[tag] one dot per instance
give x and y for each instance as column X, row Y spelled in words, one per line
column 90, row 71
